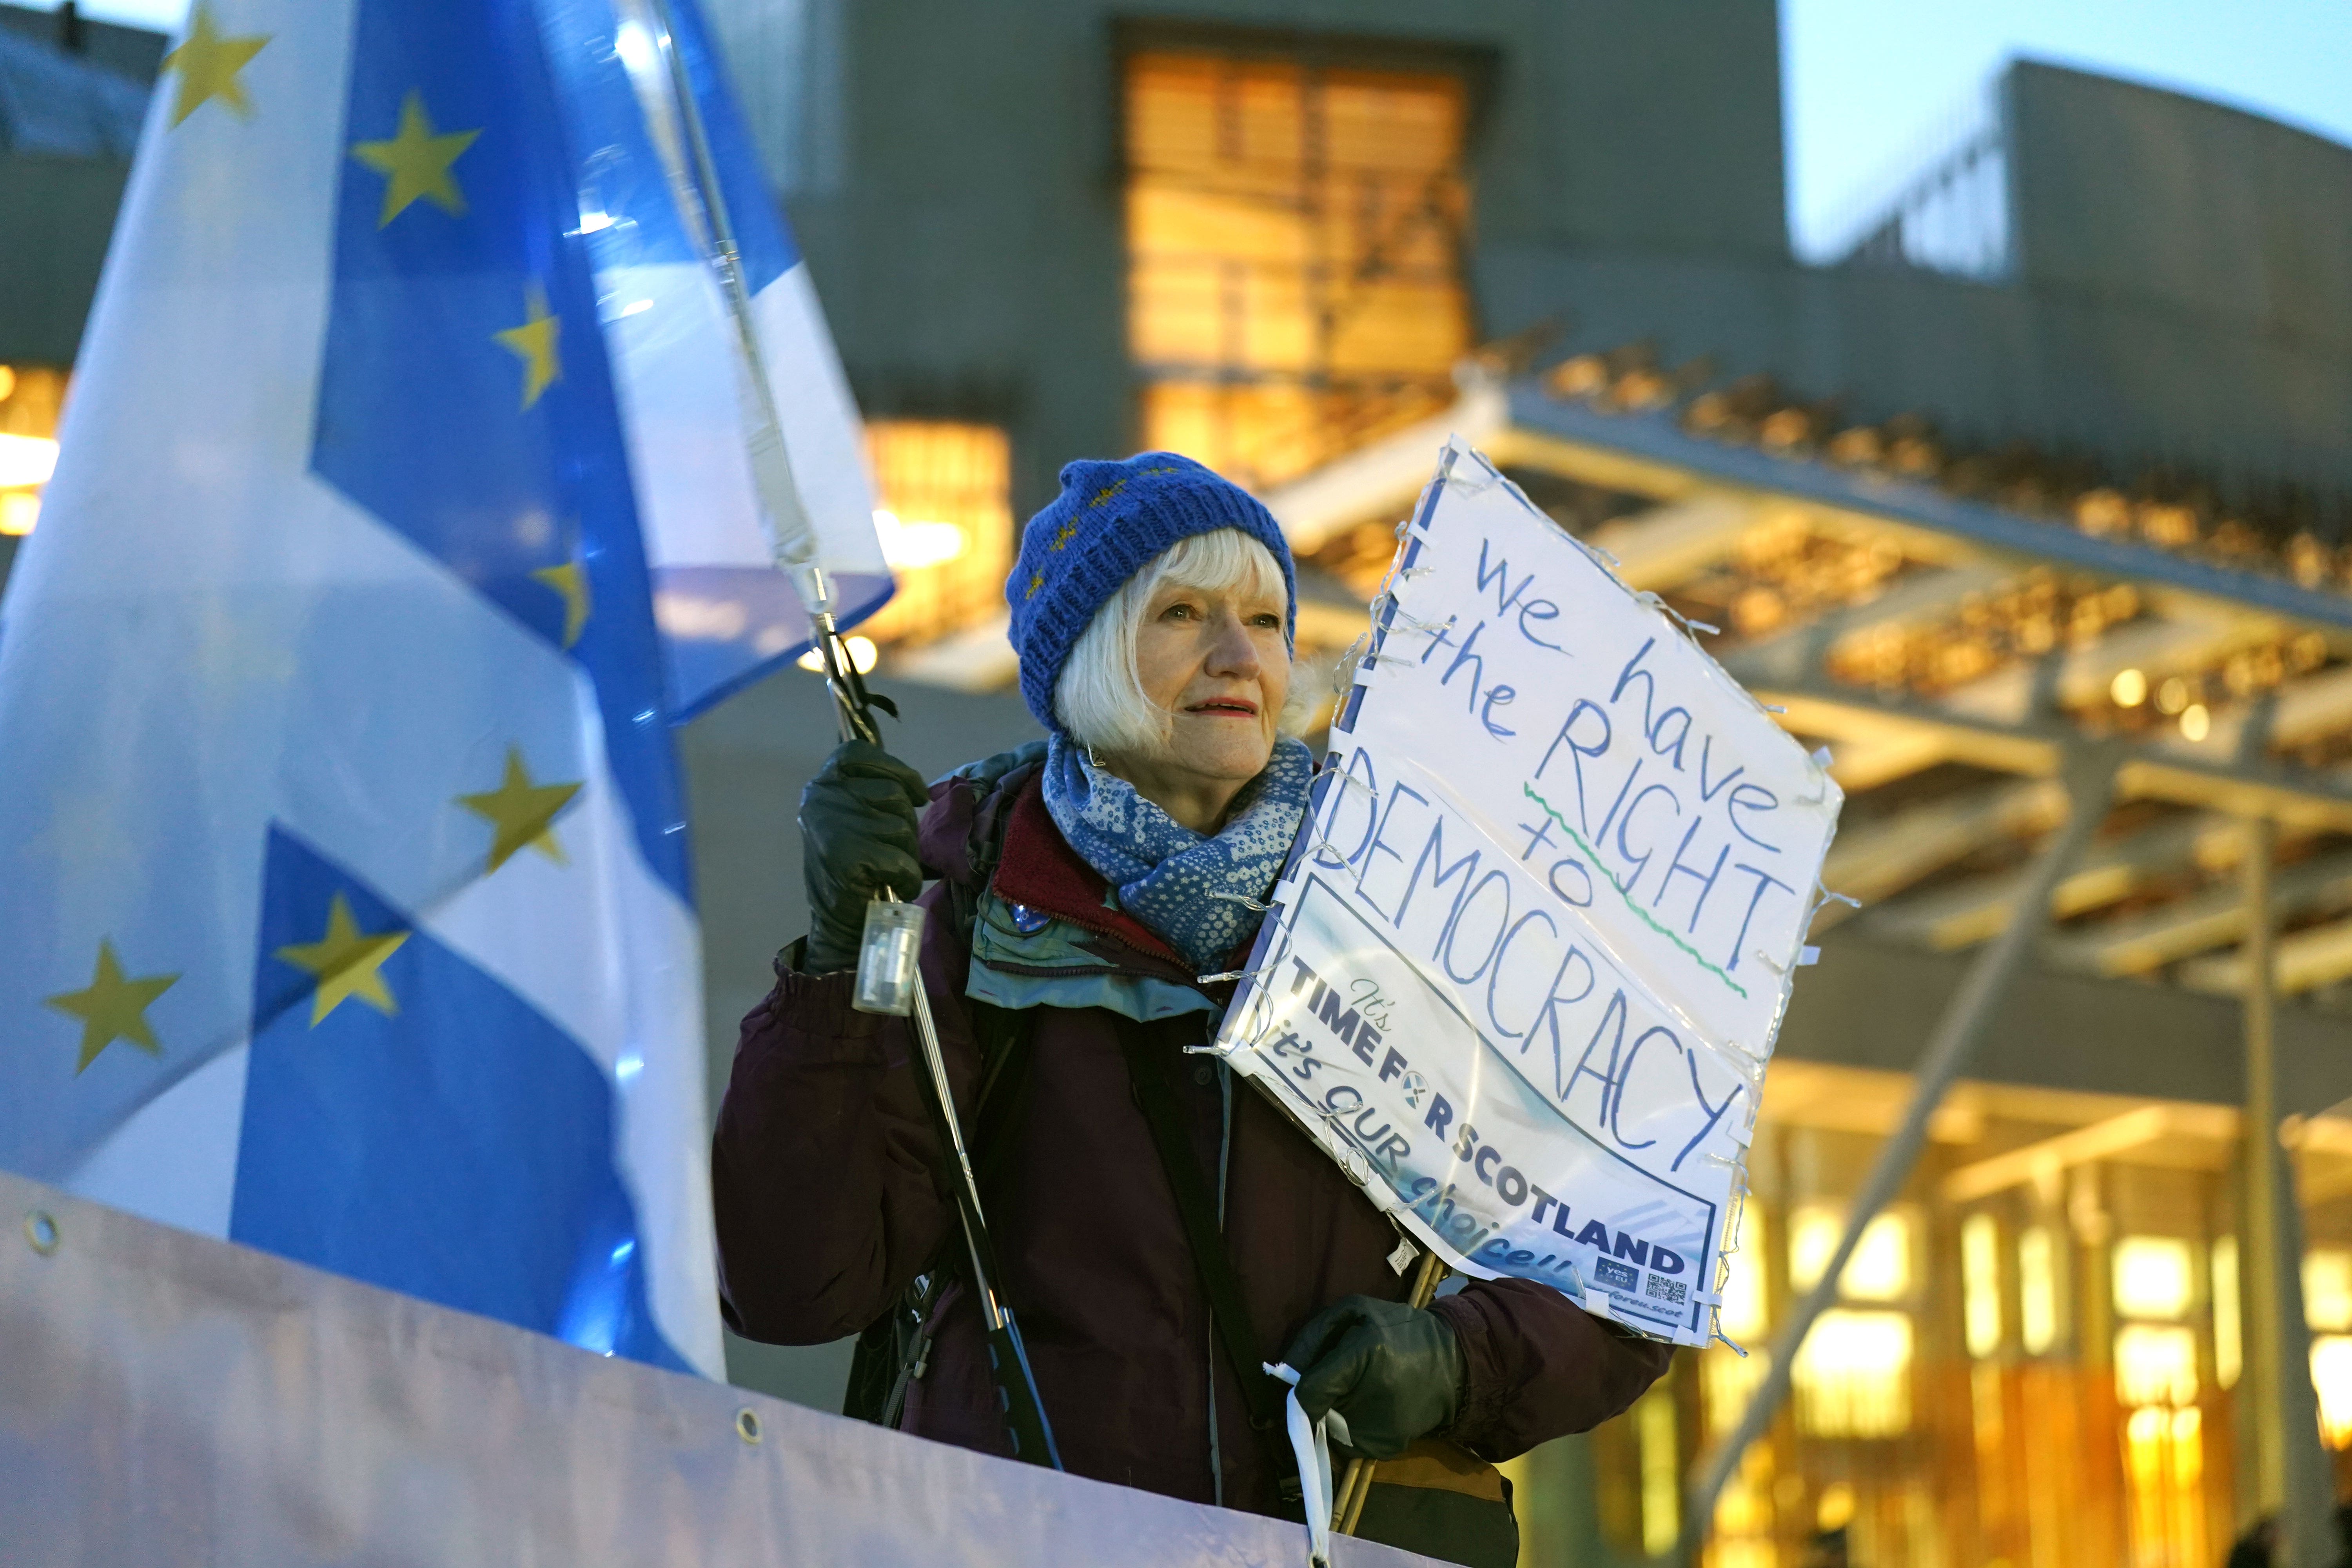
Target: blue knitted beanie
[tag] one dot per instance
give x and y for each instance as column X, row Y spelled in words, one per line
column 1109, row 523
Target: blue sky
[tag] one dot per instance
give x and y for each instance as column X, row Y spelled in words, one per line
column 1870, row 83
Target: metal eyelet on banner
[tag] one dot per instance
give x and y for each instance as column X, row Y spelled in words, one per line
column 747, row 1426
column 41, row 1232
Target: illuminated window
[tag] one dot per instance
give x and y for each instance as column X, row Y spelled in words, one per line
column 2228, row 1350
column 2153, row 1277
column 1852, row 1378
column 2156, row 1363
column 2328, row 1289
column 1986, row 1411
column 2164, row 1464
column 1742, row 1537
column 1294, row 240
column 2037, row 1290
column 944, row 509
column 30, row 402
column 1742, row 1313
column 2331, row 1374
column 1813, row 1233
column 1729, row 1380
column 1981, row 1283
column 1661, row 1497
column 1880, row 1268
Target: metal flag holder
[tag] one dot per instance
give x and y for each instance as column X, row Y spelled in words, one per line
column 888, row 973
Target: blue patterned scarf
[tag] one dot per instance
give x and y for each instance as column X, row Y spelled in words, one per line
column 1187, row 888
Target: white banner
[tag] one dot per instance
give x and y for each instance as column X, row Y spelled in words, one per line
column 1526, row 962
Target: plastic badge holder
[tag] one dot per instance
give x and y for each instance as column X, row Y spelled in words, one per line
column 887, row 974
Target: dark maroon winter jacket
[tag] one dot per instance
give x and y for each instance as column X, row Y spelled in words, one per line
column 821, row 1174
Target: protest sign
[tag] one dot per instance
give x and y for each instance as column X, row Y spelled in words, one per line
column 1526, row 963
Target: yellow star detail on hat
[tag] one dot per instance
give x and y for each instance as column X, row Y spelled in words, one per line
column 416, row 163
column 208, row 61
column 346, row 962
column 114, row 1008
column 521, row 813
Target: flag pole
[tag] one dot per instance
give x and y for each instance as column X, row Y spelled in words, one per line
column 684, row 146
column 675, row 125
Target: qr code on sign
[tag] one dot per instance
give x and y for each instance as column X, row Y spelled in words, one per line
column 1663, row 1288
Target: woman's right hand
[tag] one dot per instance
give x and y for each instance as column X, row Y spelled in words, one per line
column 857, row 838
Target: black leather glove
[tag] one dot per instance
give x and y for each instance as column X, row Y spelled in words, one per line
column 857, row 838
column 1393, row 1372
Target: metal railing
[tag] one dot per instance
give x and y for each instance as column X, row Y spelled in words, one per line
column 1952, row 215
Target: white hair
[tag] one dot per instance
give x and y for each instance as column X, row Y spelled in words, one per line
column 1099, row 695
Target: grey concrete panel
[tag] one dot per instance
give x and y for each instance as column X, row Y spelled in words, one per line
column 134, row 52
column 2184, row 298
column 1873, row 1003
column 56, row 217
column 168, row 1398
column 2129, row 190
column 2125, row 380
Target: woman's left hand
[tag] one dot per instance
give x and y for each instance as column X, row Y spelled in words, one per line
column 1393, row 1372
column 858, row 831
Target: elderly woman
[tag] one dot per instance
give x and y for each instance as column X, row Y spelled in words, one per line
column 1088, row 893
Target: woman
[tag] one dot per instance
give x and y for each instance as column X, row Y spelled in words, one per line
column 1083, row 895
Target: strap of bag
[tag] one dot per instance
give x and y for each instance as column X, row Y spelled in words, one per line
column 1147, row 1070
column 893, row 1350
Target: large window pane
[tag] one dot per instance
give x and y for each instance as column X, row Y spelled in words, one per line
column 1293, row 237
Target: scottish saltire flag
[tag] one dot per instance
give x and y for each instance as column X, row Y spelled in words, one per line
column 344, row 893
column 725, row 615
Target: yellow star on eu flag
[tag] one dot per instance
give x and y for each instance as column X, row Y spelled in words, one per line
column 533, row 343
column 114, row 1008
column 571, row 581
column 522, row 811
column 345, row 960
column 208, row 61
column 416, row 163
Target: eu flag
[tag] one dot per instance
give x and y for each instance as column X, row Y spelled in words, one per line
column 344, row 905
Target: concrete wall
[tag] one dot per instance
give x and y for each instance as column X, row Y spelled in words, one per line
column 134, row 52
column 2182, row 298
column 953, row 171
column 56, row 217
column 56, row 212
column 2130, row 381
column 2154, row 200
